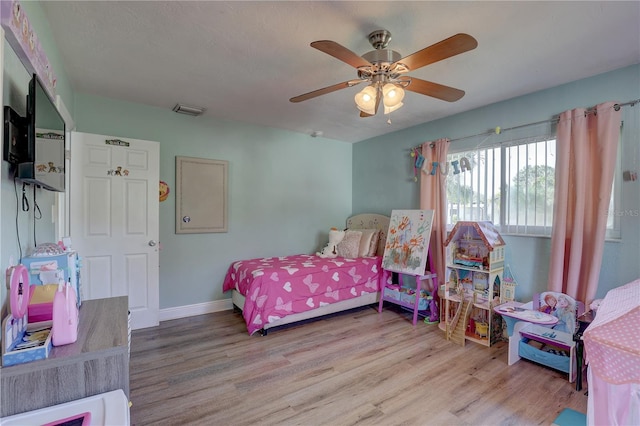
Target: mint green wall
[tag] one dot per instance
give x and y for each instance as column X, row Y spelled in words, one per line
column 383, row 173
column 15, row 80
column 285, row 190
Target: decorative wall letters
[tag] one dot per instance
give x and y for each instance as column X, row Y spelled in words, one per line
column 461, row 165
column 25, row 43
column 431, row 168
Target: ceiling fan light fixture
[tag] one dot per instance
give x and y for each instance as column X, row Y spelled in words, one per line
column 389, row 110
column 366, row 100
column 393, row 95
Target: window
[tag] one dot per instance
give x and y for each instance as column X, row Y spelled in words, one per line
column 512, row 185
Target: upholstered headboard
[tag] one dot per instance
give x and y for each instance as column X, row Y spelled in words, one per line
column 371, row 221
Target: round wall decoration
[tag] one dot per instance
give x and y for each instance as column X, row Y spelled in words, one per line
column 164, row 190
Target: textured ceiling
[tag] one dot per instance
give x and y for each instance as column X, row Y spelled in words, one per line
column 243, row 60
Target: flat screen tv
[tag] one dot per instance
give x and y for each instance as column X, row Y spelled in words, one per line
column 15, row 136
column 35, row 144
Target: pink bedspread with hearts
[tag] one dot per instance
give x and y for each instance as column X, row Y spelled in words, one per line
column 275, row 287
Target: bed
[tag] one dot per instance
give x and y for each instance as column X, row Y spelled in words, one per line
column 612, row 348
column 276, row 291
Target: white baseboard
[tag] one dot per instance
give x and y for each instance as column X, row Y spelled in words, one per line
column 193, row 310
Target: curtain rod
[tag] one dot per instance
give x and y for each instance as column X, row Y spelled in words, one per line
column 555, row 118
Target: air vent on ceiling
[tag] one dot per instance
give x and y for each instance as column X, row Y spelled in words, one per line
column 188, row 110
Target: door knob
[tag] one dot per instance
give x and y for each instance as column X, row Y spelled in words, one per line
column 152, row 243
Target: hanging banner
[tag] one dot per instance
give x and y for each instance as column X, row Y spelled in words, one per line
column 431, row 168
column 25, row 43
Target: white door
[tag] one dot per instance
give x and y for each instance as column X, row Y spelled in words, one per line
column 114, row 220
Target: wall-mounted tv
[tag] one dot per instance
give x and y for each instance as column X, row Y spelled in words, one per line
column 15, row 136
column 35, row 143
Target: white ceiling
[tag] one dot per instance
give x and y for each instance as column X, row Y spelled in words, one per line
column 243, row 60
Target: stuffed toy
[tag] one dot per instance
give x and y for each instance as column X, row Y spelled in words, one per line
column 331, row 249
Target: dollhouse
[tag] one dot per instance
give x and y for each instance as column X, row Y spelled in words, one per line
column 473, row 283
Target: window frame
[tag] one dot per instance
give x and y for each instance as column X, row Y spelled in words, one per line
column 612, row 232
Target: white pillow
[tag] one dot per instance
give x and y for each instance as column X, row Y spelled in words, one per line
column 350, row 244
column 365, row 241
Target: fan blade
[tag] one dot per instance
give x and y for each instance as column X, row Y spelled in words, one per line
column 340, row 52
column 434, row 90
column 325, row 90
column 447, row 48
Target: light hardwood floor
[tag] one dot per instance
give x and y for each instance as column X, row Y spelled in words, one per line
column 359, row 367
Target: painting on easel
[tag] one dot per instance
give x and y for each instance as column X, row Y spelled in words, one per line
column 408, row 241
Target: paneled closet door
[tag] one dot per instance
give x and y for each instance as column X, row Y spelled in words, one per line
column 114, row 220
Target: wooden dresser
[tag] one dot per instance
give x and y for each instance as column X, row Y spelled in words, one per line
column 97, row 362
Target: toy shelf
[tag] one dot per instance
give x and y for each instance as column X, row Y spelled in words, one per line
column 563, row 360
column 549, row 336
column 404, row 304
column 414, row 302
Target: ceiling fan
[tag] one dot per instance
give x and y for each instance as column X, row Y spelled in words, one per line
column 385, row 70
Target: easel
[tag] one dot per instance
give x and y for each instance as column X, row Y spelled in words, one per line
column 386, row 283
column 407, row 252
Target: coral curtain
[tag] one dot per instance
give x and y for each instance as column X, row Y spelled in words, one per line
column 586, row 147
column 433, row 196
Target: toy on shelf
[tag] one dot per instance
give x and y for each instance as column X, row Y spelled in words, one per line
column 331, row 249
column 474, row 283
column 433, row 316
column 22, row 341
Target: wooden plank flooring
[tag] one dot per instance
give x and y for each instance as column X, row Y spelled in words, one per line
column 359, row 367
